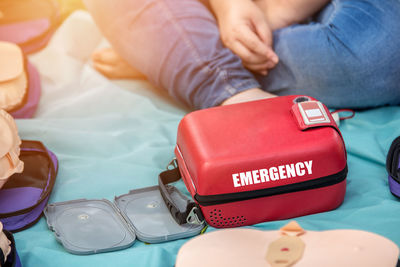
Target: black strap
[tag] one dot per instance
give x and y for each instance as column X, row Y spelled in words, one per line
column 183, row 211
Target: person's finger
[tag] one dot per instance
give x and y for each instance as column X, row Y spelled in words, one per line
column 249, row 39
column 256, row 67
column 260, row 72
column 245, row 54
column 265, row 64
column 272, row 57
column 265, row 34
column 263, row 31
column 260, row 68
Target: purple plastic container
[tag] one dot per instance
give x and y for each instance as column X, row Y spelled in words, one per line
column 25, row 195
column 394, row 184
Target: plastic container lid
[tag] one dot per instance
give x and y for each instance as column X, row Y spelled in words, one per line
column 145, row 209
column 89, row 226
column 93, row 226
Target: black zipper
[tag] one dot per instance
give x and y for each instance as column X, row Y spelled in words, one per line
column 210, row 200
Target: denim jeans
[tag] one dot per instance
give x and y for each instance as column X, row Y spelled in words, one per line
column 348, row 57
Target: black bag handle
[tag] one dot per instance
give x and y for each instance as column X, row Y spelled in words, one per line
column 392, row 160
column 183, row 212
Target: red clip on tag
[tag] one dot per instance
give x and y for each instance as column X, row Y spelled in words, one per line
column 312, row 114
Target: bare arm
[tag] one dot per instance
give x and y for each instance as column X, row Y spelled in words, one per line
column 282, row 13
column 303, row 8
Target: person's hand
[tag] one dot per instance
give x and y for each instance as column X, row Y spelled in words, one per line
column 244, row 30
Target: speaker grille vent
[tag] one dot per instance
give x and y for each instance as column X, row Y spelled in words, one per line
column 217, row 219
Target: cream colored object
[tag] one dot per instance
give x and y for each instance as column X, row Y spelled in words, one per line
column 9, row 148
column 289, row 248
column 248, row 247
column 4, row 243
column 13, row 79
column 285, row 251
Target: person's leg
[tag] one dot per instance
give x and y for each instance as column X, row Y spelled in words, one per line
column 348, row 58
column 176, row 44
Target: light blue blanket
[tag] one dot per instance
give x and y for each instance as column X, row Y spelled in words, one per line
column 114, row 137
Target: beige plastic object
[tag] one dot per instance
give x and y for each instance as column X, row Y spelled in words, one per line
column 9, row 148
column 4, row 243
column 13, row 79
column 289, row 248
column 249, row 247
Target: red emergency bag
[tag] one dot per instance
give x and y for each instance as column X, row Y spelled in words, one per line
column 258, row 161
